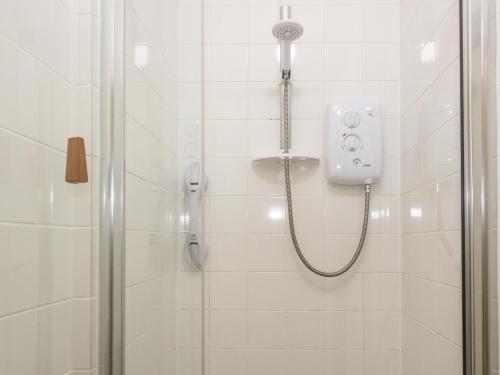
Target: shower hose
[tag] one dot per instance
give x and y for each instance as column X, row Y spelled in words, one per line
column 291, row 224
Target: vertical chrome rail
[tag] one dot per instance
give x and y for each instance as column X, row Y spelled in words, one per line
column 285, row 88
column 285, row 116
column 112, row 187
column 473, row 201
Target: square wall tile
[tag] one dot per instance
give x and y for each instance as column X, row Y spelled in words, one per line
column 382, row 330
column 343, row 23
column 381, row 22
column 221, row 19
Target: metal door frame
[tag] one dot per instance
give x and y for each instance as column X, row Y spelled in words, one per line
column 474, row 242
column 112, row 189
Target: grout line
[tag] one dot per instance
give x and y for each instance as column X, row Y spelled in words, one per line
column 427, row 136
column 42, row 307
column 430, row 184
column 48, row 226
column 432, row 330
column 149, row 280
column 151, row 86
column 33, row 140
column 160, row 187
column 284, row 311
column 143, row 334
column 148, row 231
column 444, row 231
column 436, row 79
column 38, row 60
column 75, row 12
column 435, row 282
column 433, row 32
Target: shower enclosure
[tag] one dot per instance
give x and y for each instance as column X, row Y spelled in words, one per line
column 181, row 253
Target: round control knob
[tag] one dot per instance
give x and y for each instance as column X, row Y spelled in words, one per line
column 352, row 142
column 351, row 119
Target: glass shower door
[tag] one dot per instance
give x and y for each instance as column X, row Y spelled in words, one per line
column 163, row 320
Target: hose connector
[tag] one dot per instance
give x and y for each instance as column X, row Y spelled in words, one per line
column 368, row 188
column 285, row 75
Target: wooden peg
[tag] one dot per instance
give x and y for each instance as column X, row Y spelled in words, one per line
column 76, row 163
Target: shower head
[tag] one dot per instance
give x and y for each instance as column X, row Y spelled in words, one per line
column 286, row 31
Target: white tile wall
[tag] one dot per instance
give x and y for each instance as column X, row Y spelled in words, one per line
column 45, row 223
column 266, row 314
column 430, row 184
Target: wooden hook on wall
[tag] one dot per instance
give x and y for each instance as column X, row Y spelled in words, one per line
column 76, row 163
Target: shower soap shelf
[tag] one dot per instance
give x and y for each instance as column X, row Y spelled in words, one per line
column 277, row 158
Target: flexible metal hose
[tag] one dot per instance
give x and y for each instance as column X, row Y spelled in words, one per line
column 291, row 224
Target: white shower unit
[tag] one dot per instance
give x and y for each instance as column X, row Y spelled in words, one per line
column 354, row 142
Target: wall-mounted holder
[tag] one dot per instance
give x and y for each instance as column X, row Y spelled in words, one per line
column 76, row 163
column 195, row 184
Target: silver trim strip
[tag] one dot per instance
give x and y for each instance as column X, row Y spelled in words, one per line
column 473, row 204
column 112, row 189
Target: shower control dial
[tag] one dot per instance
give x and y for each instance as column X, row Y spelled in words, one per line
column 351, row 119
column 352, row 142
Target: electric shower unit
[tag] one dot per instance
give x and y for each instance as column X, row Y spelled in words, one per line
column 354, row 141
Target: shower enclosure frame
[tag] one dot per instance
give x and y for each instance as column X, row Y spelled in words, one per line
column 111, row 301
column 475, row 321
column 111, row 305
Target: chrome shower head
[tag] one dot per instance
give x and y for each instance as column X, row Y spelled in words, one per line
column 287, row 31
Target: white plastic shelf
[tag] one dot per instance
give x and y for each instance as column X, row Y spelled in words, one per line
column 278, row 158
